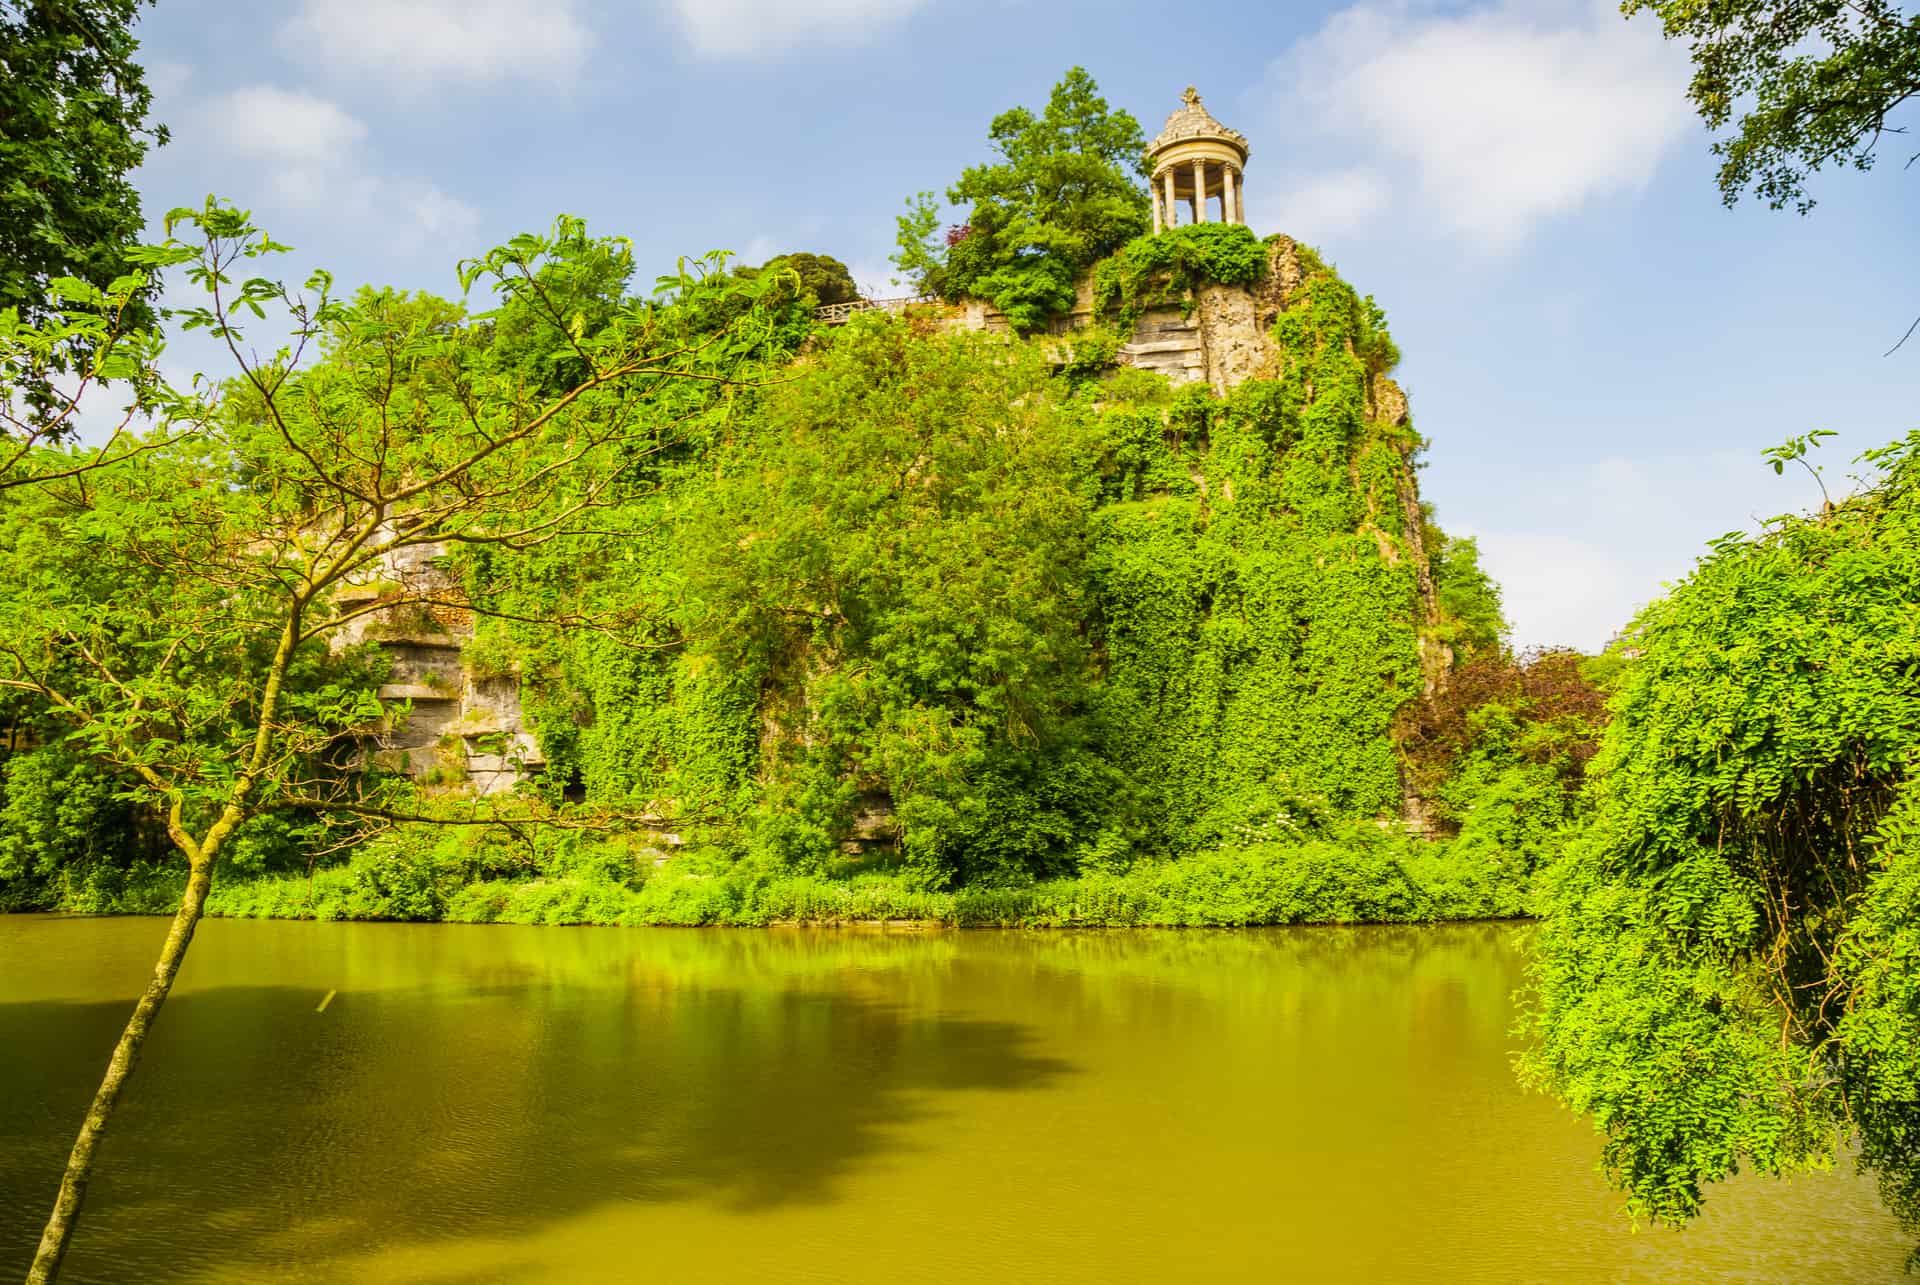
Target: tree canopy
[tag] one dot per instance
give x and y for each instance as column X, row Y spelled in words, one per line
column 1726, row 969
column 184, row 628
column 73, row 127
column 1066, row 190
column 1807, row 84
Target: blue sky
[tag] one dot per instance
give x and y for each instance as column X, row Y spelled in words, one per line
column 1595, row 348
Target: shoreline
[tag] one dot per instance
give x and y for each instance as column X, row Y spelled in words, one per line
column 902, row 926
column 1269, row 885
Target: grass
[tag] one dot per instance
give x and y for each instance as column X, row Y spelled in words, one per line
column 1311, row 882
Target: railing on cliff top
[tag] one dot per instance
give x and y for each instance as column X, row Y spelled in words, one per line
column 836, row 314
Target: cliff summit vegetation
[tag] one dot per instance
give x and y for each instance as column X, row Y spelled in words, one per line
column 1067, row 189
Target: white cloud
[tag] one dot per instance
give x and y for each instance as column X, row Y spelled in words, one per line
column 1501, row 116
column 1605, row 542
column 167, row 79
column 1560, row 591
column 434, row 216
column 310, row 151
column 1325, row 204
column 302, row 142
column 877, row 278
column 414, row 44
column 750, row 28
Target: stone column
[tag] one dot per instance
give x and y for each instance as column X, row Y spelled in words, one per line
column 1229, row 198
column 1199, row 191
column 1155, row 196
column 1173, row 207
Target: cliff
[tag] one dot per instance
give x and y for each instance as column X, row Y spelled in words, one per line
column 1204, row 605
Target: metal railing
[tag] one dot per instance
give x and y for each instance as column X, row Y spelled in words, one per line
column 835, row 314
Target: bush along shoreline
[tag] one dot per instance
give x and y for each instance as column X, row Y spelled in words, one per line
column 1383, row 877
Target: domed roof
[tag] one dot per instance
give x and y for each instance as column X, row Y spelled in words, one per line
column 1193, row 121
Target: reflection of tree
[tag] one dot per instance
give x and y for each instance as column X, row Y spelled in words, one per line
column 498, row 1081
column 498, row 1108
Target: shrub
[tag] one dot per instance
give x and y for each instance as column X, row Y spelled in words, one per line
column 1169, row 266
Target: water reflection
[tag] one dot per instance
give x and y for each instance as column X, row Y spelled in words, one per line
column 500, row 1095
column 598, row 1104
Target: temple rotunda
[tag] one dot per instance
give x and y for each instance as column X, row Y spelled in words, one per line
column 1196, row 159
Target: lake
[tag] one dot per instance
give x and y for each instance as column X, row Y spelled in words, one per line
column 501, row 1103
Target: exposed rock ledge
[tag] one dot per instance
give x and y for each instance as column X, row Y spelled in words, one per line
column 1221, row 336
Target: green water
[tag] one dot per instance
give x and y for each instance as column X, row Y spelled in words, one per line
column 492, row 1103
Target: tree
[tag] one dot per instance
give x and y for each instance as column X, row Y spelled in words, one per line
column 1468, row 598
column 895, row 551
column 73, row 126
column 819, row 278
column 1729, row 969
column 1815, row 82
column 1066, row 191
column 91, row 335
column 187, row 623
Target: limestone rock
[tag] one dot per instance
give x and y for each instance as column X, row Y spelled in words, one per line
column 464, row 731
column 1284, row 275
column 1236, row 346
column 1389, row 401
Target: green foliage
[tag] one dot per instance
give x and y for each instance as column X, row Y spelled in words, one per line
column 789, row 288
column 73, row 128
column 934, row 602
column 179, row 626
column 1259, row 605
column 1497, row 756
column 1357, row 874
column 1795, row 451
column 819, row 278
column 927, row 595
column 1469, row 600
column 87, row 336
column 1814, row 84
column 1029, row 290
column 1727, row 974
column 895, row 550
column 1168, row 267
column 68, row 839
column 1064, row 192
column 916, row 252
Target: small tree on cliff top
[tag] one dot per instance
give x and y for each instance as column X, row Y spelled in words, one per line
column 182, row 619
column 1066, row 191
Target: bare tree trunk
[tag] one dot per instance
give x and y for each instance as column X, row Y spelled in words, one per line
column 73, row 1187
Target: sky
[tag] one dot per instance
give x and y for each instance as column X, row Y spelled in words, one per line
column 1595, row 349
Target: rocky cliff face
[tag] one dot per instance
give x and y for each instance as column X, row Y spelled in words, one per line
column 1221, row 336
column 455, row 726
column 465, row 727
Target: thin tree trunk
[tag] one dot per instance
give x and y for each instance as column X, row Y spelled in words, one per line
column 200, row 856
column 73, row 1187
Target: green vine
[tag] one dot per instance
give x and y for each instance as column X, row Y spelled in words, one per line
column 1169, row 266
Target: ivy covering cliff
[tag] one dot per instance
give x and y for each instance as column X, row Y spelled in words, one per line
column 929, row 607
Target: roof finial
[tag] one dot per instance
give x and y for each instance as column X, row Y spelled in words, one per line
column 1192, row 97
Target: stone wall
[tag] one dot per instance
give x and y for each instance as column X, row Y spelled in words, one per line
column 1219, row 336
column 450, row 726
